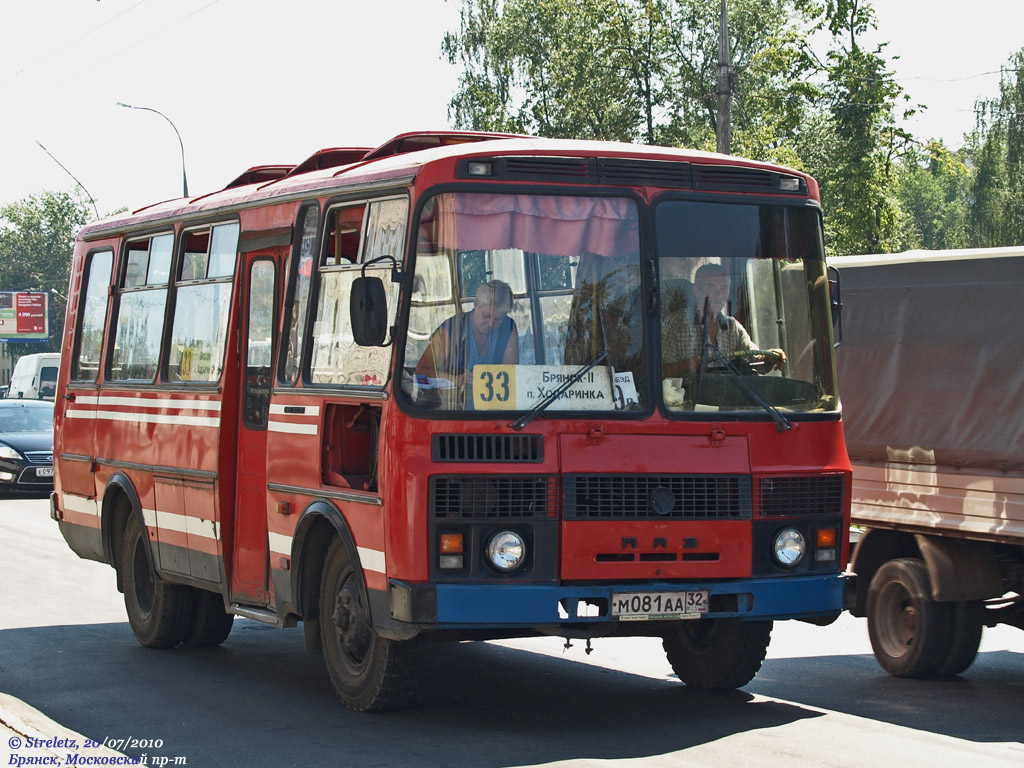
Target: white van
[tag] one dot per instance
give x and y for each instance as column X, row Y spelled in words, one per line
column 35, row 377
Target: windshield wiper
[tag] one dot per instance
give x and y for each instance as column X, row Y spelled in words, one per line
column 728, row 365
column 556, row 393
column 706, row 347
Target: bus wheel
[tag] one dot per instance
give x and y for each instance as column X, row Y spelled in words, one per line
column 369, row 672
column 968, row 618
column 158, row 612
column 210, row 624
column 910, row 633
column 717, row 654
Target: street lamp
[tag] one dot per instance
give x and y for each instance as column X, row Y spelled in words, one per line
column 184, row 180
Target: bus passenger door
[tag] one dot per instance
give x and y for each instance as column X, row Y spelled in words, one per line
column 251, row 565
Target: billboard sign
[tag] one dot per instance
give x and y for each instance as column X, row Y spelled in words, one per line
column 24, row 316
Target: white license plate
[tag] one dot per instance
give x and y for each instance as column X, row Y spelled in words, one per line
column 44, row 471
column 645, row 606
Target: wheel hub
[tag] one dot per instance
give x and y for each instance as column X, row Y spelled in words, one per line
column 351, row 622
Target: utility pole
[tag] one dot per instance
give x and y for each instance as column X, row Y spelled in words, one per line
column 723, row 133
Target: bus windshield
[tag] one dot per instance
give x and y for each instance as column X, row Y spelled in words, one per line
column 743, row 308
column 513, row 293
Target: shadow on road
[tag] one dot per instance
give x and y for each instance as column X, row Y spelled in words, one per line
column 983, row 704
column 259, row 700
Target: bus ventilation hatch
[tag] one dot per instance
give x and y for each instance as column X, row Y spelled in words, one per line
column 514, row 449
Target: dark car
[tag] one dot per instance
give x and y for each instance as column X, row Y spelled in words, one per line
column 26, row 445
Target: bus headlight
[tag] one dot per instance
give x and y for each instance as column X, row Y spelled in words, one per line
column 789, row 547
column 506, row 551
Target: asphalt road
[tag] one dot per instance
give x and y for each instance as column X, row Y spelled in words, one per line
column 258, row 700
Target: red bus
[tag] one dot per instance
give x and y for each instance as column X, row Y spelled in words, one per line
column 462, row 386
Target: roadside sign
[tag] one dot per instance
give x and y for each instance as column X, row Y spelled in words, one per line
column 24, row 316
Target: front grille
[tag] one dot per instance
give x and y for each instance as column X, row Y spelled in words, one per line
column 39, row 457
column 657, row 497
column 801, row 495
column 483, row 497
column 488, row 448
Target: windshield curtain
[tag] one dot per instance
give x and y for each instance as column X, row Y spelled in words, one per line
column 513, row 293
column 743, row 308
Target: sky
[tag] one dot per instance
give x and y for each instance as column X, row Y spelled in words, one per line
column 255, row 82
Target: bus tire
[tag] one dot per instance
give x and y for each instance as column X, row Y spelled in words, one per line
column 210, row 624
column 158, row 612
column 910, row 633
column 368, row 672
column 968, row 619
column 717, row 654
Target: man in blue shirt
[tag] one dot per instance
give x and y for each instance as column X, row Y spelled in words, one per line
column 485, row 335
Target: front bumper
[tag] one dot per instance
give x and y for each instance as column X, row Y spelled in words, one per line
column 545, row 605
column 24, row 476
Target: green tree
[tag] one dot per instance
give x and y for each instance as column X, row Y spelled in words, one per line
column 997, row 151
column 858, row 177
column 631, row 70
column 771, row 66
column 37, row 237
column 933, row 193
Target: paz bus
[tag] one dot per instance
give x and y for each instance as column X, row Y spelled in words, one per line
column 284, row 401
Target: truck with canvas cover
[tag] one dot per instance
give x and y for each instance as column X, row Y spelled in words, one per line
column 932, row 372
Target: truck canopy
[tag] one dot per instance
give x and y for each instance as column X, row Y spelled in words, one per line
column 931, row 366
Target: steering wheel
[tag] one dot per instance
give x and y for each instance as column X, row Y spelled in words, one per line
column 751, row 361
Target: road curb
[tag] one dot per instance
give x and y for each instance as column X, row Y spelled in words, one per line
column 27, row 733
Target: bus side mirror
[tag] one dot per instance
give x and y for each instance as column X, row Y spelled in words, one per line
column 368, row 311
column 835, row 296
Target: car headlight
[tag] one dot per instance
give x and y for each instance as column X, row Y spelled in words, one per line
column 506, row 551
column 6, row 452
column 789, row 547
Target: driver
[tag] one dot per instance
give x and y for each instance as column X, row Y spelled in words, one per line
column 682, row 343
column 485, row 335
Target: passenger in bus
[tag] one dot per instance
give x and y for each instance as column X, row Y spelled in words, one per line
column 682, row 334
column 485, row 335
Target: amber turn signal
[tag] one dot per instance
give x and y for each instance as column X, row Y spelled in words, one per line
column 450, row 543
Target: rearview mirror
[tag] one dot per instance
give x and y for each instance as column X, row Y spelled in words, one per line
column 368, row 311
column 835, row 296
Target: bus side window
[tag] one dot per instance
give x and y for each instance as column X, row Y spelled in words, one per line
column 142, row 297
column 378, row 228
column 85, row 364
column 202, row 304
column 302, row 275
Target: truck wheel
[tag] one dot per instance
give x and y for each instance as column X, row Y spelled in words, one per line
column 159, row 613
column 369, row 672
column 210, row 624
column 717, row 654
column 910, row 633
column 968, row 618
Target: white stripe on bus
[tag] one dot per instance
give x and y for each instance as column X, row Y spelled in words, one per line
column 146, row 418
column 295, row 429
column 172, row 521
column 150, row 402
column 371, row 559
column 82, row 505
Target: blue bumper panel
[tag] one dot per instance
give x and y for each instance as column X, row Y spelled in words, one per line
column 510, row 605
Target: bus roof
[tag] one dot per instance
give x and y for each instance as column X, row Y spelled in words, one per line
column 397, row 160
column 910, row 257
